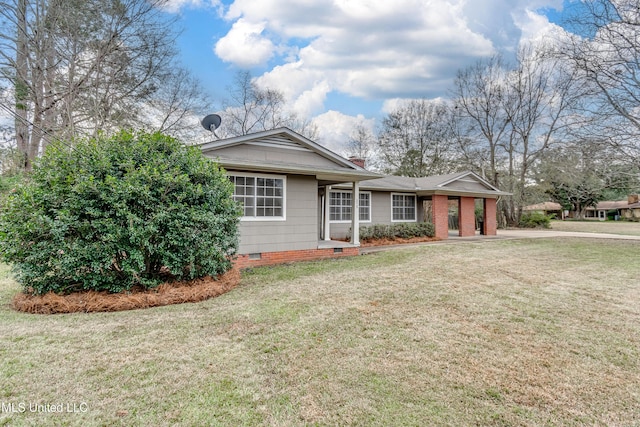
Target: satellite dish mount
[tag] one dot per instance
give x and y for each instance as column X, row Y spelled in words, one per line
column 211, row 123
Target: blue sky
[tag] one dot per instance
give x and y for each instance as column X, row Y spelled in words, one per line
column 345, row 62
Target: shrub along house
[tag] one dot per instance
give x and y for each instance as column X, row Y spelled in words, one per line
column 298, row 197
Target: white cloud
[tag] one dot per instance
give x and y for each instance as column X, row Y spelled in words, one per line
column 335, row 129
column 369, row 49
column 174, row 6
column 311, row 100
column 304, row 88
column 537, row 30
column 372, row 49
column 244, row 45
column 393, row 104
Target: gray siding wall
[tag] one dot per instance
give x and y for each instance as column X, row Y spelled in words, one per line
column 380, row 214
column 274, row 155
column 298, row 231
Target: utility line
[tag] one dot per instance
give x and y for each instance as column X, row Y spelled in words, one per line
column 45, row 132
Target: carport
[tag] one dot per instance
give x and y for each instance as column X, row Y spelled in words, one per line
column 436, row 194
column 464, row 189
column 466, row 205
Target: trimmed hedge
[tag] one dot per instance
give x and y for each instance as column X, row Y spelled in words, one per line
column 393, row 231
column 113, row 213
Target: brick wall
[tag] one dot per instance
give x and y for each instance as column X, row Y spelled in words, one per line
column 466, row 216
column 440, row 215
column 273, row 258
column 490, row 217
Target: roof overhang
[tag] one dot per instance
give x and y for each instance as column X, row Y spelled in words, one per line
column 460, row 193
column 326, row 176
column 340, row 169
column 434, row 192
column 436, row 185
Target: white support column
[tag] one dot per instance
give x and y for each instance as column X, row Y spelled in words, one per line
column 327, row 212
column 355, row 214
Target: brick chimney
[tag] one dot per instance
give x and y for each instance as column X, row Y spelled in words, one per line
column 357, row 161
column 633, row 198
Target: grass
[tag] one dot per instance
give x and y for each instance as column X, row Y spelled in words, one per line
column 504, row 333
column 612, row 227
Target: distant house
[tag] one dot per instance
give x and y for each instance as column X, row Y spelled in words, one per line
column 632, row 210
column 546, row 208
column 605, row 209
column 299, row 198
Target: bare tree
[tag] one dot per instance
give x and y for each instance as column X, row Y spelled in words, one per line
column 544, row 98
column 607, row 53
column 178, row 104
column 251, row 108
column 83, row 66
column 19, row 78
column 480, row 100
column 415, row 139
column 361, row 143
column 511, row 115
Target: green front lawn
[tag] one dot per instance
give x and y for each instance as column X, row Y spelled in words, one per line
column 530, row 332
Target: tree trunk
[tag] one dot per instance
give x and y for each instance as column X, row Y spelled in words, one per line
column 21, row 88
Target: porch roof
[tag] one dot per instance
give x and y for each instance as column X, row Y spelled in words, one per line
column 544, row 206
column 465, row 183
column 610, row 205
column 324, row 176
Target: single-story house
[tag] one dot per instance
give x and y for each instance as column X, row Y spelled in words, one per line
column 606, row 208
column 632, row 210
column 298, row 198
column 603, row 210
column 547, row 208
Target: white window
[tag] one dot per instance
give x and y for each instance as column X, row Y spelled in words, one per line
column 262, row 197
column 403, row 207
column 340, row 206
column 365, row 207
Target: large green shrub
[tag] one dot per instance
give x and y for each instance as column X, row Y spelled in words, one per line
column 535, row 220
column 9, row 182
column 117, row 212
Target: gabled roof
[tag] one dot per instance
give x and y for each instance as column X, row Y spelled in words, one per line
column 545, row 206
column 284, row 151
column 456, row 184
column 604, row 205
column 612, row 204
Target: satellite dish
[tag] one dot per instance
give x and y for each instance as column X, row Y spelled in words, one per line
column 211, row 123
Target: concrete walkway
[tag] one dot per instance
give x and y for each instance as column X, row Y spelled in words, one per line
column 503, row 235
column 532, row 234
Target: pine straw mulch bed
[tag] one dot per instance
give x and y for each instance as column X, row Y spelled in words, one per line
column 92, row 301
